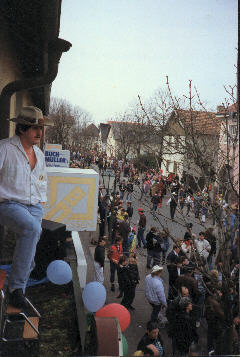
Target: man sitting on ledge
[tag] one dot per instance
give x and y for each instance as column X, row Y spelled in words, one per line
column 23, row 188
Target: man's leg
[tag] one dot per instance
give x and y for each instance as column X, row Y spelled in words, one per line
column 199, row 310
column 156, row 258
column 125, row 300
column 155, row 312
column 142, row 237
column 164, row 256
column 132, row 292
column 98, row 276
column 128, row 298
column 173, row 211
column 139, row 238
column 154, row 210
column 26, row 222
column 149, row 258
column 113, row 267
column 209, row 260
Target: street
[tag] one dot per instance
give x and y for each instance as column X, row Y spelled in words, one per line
column 141, row 315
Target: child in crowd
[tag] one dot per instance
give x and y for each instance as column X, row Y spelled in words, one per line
column 204, row 212
column 132, row 241
column 164, row 244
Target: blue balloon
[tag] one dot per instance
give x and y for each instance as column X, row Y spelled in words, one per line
column 59, row 272
column 94, row 296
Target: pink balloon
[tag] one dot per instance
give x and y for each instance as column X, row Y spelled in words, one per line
column 118, row 311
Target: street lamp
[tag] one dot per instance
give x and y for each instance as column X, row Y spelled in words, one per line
column 108, row 178
column 109, row 184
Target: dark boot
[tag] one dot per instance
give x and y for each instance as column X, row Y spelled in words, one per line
column 131, row 308
column 17, row 299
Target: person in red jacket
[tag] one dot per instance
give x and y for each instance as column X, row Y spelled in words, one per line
column 114, row 255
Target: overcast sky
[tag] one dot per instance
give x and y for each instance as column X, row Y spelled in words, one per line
column 122, row 48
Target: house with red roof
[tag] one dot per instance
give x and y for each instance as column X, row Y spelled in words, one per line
column 191, row 144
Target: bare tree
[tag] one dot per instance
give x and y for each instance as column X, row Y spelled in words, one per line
column 200, row 146
column 69, row 123
column 81, row 137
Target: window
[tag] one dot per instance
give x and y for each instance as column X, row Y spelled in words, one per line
column 232, row 133
column 167, row 165
column 170, row 167
column 233, row 130
column 175, row 167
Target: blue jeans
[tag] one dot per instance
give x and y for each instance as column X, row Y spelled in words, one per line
column 200, row 303
column 210, row 261
column 155, row 206
column 140, row 237
column 25, row 220
column 153, row 255
column 129, row 196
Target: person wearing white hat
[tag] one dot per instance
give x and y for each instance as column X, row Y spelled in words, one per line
column 23, row 186
column 154, row 291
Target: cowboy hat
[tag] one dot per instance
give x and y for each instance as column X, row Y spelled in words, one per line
column 32, row 116
column 156, row 268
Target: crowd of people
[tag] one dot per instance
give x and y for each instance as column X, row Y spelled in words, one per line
column 196, row 264
column 203, row 268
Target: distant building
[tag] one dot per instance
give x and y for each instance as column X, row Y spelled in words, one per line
column 191, row 142
column 126, row 139
column 228, row 158
column 91, row 137
column 103, row 136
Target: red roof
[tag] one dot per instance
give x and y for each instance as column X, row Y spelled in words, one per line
column 200, row 121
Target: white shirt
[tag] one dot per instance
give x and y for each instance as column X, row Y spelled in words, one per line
column 187, row 249
column 17, row 181
column 154, row 290
column 203, row 247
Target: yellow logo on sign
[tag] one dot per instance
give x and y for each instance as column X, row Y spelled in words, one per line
column 62, row 211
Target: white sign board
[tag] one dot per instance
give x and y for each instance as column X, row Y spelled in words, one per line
column 57, row 158
column 53, row 146
column 72, row 198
